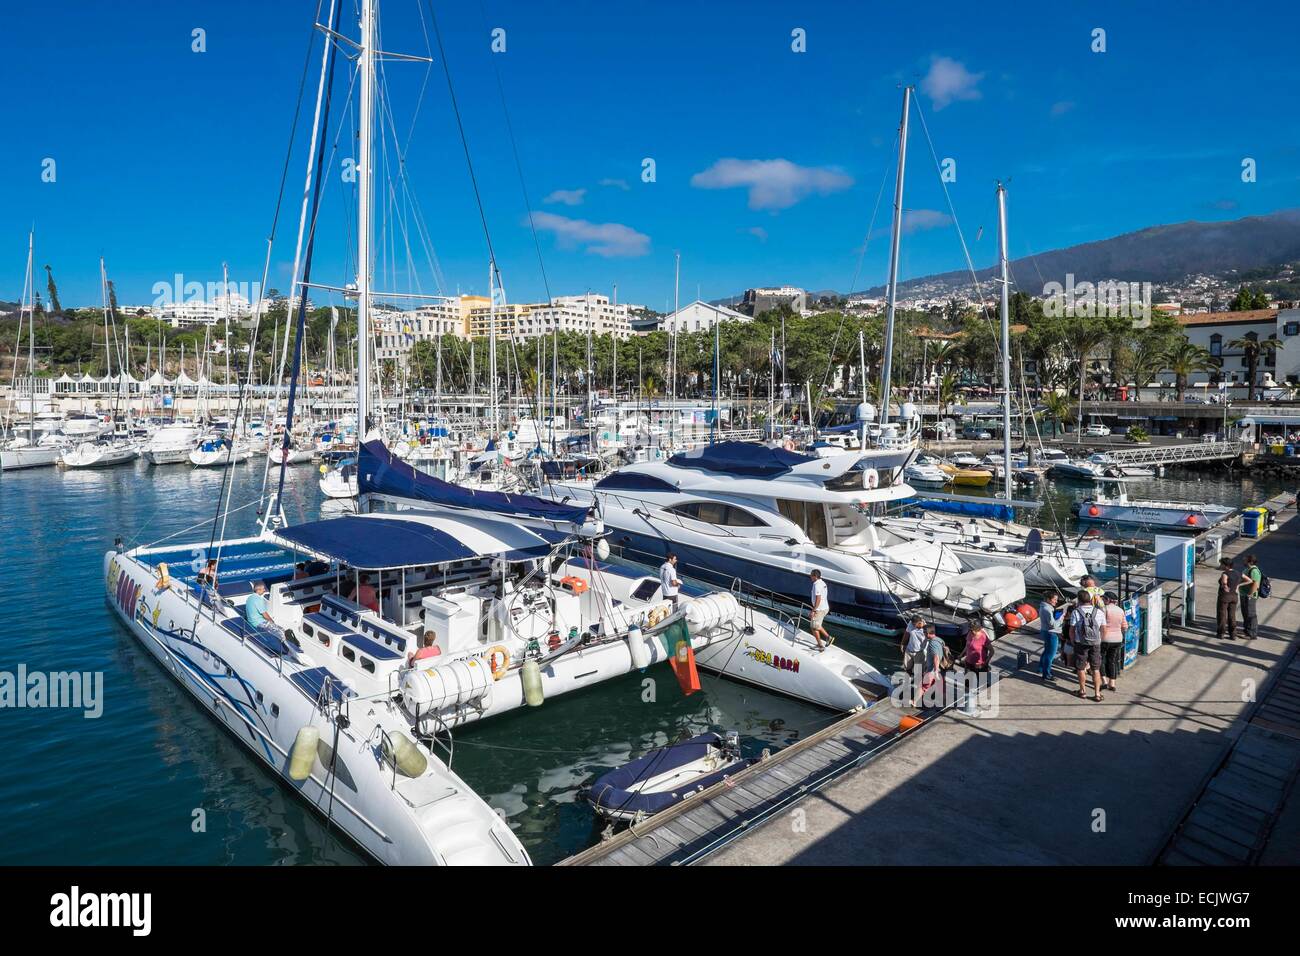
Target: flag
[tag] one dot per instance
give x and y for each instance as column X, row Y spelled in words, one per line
column 681, row 656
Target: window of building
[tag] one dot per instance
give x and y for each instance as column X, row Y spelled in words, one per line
column 1216, row 345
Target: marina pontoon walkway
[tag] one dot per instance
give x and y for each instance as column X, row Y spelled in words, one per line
column 1047, row 778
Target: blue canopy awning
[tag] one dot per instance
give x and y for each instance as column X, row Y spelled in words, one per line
column 381, row 472
column 373, row 543
column 740, row 458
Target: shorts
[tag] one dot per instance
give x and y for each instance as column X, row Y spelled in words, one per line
column 1087, row 655
column 817, row 618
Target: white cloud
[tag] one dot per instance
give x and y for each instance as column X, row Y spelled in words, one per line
column 772, row 183
column 1062, row 107
column 949, row 81
column 608, row 239
column 923, row 220
column 758, row 232
column 567, row 197
column 616, row 183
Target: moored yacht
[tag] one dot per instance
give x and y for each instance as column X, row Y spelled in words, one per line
column 764, row 518
column 171, row 444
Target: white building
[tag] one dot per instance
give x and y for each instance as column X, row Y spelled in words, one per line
column 565, row 313
column 1217, row 330
column 699, row 316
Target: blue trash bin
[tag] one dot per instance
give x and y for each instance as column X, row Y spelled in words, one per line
column 1290, row 451
column 1250, row 523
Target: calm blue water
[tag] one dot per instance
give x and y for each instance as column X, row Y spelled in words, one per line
column 124, row 788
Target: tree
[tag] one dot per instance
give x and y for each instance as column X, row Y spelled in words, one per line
column 1081, row 338
column 55, row 307
column 1057, row 408
column 1252, row 348
column 1184, row 359
column 1248, row 298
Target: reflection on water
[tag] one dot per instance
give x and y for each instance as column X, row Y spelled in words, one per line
column 125, row 788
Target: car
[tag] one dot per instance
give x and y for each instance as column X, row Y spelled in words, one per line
column 1096, row 431
column 972, row 433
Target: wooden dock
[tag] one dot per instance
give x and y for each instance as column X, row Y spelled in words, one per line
column 709, row 819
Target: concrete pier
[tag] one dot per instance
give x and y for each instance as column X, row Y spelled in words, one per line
column 1052, row 779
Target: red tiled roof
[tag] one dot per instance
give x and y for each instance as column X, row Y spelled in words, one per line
column 1227, row 318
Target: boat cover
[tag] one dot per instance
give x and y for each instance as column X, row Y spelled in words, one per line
column 381, row 472
column 741, row 458
column 975, row 509
column 612, row 792
column 378, row 542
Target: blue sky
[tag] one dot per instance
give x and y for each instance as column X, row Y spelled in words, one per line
column 768, row 162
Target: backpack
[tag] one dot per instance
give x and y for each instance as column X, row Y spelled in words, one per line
column 1265, row 586
column 1090, row 633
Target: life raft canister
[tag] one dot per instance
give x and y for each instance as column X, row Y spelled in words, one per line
column 575, row 584
column 498, row 660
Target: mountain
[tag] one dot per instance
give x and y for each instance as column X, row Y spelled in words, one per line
column 1155, row 254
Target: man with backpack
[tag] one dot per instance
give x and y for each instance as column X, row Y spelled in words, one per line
column 1251, row 581
column 1086, row 623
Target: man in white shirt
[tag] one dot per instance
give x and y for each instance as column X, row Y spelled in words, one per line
column 668, row 579
column 913, row 641
column 819, row 609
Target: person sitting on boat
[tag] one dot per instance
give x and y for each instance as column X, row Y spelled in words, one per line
column 257, row 610
column 364, row 594
column 427, row 649
column 979, row 649
column 668, row 579
column 820, row 605
column 300, row 570
column 208, row 576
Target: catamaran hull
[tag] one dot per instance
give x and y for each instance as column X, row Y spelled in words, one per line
column 244, row 692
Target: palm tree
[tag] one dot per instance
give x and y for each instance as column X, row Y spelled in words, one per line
column 1081, row 338
column 1057, row 407
column 1251, row 349
column 1184, row 359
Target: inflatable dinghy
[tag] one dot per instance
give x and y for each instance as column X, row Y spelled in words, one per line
column 985, row 589
column 665, row 777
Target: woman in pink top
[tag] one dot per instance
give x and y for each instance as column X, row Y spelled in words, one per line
column 1112, row 640
column 979, row 649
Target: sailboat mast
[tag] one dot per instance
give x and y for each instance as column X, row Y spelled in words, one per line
column 364, row 203
column 492, row 344
column 677, row 279
column 1004, row 315
column 886, row 366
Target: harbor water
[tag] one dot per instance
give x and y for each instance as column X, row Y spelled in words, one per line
column 151, row 779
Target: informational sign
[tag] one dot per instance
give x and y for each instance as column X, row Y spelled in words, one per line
column 1133, row 614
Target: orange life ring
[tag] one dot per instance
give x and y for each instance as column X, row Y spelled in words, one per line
column 575, row 584
column 498, row 661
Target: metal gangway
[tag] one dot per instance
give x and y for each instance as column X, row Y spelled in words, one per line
column 1180, row 454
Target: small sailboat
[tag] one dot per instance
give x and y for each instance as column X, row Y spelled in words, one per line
column 665, row 777
column 99, row 454
column 216, row 451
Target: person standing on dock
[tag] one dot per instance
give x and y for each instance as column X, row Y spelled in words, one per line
column 1049, row 628
column 1226, row 600
column 820, row 605
column 668, row 579
column 1249, row 596
column 1086, row 622
column 913, row 641
column 1112, row 641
